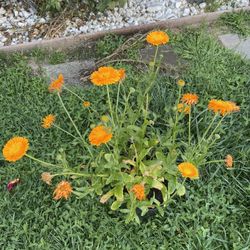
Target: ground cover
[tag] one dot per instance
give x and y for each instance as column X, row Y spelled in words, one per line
column 214, row 213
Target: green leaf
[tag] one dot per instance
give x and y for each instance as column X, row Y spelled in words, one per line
column 181, row 190
column 115, row 205
column 118, row 192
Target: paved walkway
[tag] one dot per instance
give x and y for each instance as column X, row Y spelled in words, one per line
column 236, row 43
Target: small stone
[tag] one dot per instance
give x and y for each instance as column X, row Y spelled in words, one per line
column 186, row 12
column 2, row 11
column 203, row 5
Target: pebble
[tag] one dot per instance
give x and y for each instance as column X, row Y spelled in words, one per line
column 21, row 24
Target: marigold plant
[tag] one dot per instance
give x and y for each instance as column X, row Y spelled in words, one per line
column 123, row 156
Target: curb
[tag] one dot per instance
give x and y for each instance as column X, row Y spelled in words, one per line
column 71, row 42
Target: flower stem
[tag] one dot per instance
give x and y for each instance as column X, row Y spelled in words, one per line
column 65, row 131
column 210, row 125
column 72, row 92
column 78, row 132
column 215, row 161
column 176, row 115
column 117, row 101
column 219, row 123
column 40, row 161
column 189, row 126
column 79, row 174
column 110, row 106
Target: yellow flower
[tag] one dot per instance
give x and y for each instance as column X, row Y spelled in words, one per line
column 100, row 135
column 15, row 148
column 188, row 170
column 46, row 177
column 48, row 121
column 181, row 83
column 63, row 190
column 186, row 109
column 157, row 38
column 86, row 104
column 229, row 161
column 57, row 84
column 190, row 99
column 139, row 191
column 107, row 76
column 223, row 107
column 105, row 118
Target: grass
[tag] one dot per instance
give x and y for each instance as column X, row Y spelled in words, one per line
column 238, row 22
column 213, row 215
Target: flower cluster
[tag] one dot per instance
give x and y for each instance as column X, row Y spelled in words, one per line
column 125, row 160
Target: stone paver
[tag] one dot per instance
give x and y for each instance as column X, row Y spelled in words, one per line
column 236, row 43
column 72, row 71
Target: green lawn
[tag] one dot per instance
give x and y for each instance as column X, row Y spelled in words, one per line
column 214, row 214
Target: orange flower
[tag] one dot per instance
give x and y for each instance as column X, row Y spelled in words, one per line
column 15, row 148
column 229, row 161
column 63, row 190
column 157, row 38
column 181, row 83
column 57, row 84
column 188, row 170
column 139, row 191
column 186, row 109
column 107, row 76
column 99, row 135
column 86, row 104
column 48, row 121
column 46, row 177
column 190, row 99
column 223, row 107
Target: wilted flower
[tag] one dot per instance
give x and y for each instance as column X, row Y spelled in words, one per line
column 229, row 161
column 12, row 184
column 46, row 177
column 57, row 84
column 186, row 109
column 48, row 121
column 86, row 104
column 63, row 190
column 139, row 191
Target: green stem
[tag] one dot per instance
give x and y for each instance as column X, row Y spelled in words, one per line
column 110, row 106
column 215, row 161
column 176, row 115
column 72, row 92
column 219, row 123
column 156, row 53
column 65, row 131
column 78, row 132
column 189, row 126
column 40, row 161
column 210, row 125
column 117, row 102
column 79, row 174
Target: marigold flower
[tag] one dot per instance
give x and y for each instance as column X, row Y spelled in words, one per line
column 63, row 190
column 181, row 83
column 105, row 118
column 188, row 170
column 107, row 76
column 99, row 135
column 157, row 38
column 222, row 107
column 229, row 161
column 190, row 99
column 86, row 104
column 139, row 191
column 57, row 84
column 48, row 121
column 15, row 148
column 186, row 109
column 46, row 177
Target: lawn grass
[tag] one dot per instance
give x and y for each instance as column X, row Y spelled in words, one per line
column 214, row 214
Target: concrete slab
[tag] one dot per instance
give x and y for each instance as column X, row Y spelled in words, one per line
column 72, row 71
column 169, row 57
column 236, row 43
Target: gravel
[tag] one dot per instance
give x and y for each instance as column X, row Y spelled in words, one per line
column 20, row 25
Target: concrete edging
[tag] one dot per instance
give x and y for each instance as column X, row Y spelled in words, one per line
column 66, row 43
